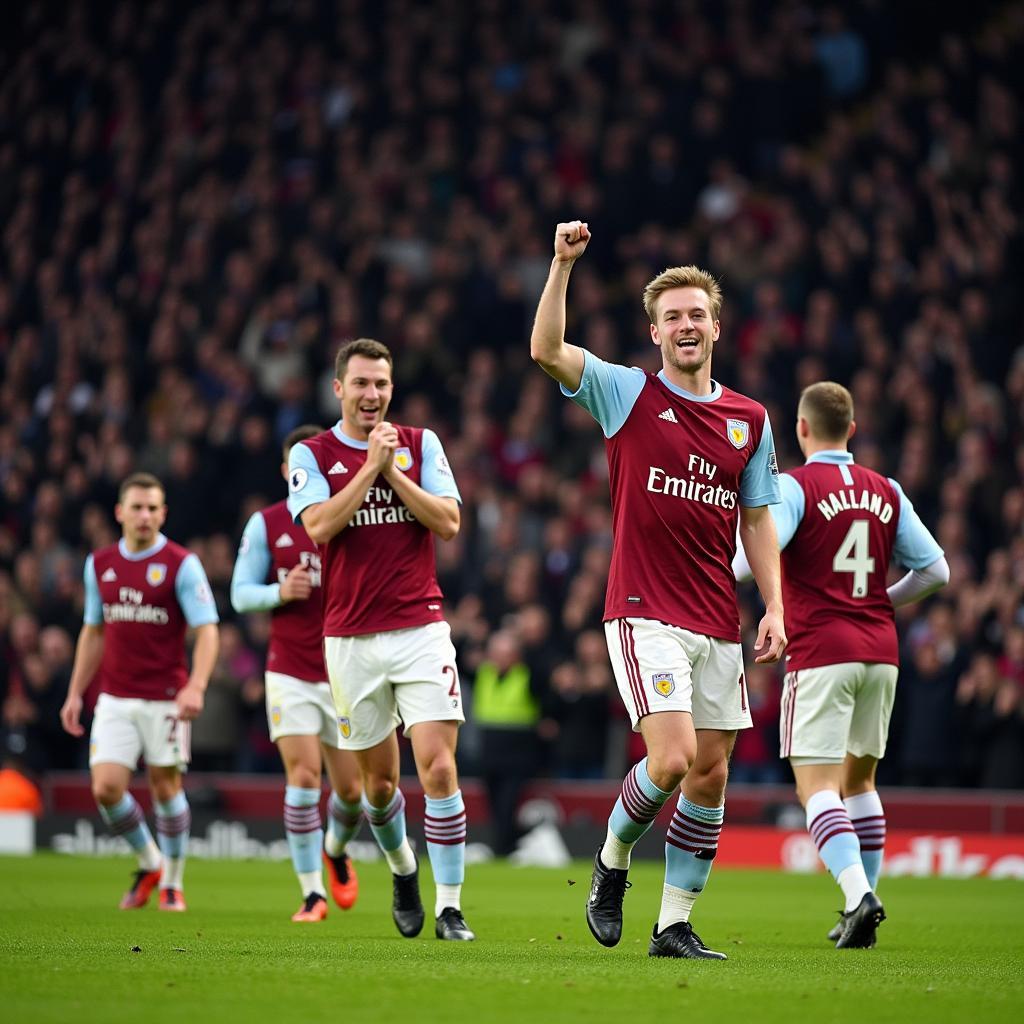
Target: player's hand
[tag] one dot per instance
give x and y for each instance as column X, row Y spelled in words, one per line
column 71, row 714
column 297, row 585
column 383, row 441
column 771, row 639
column 570, row 240
column 190, row 702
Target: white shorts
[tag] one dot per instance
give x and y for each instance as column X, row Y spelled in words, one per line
column 123, row 728
column 830, row 711
column 665, row 668
column 381, row 679
column 298, row 708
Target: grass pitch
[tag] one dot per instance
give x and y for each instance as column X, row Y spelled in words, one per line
column 952, row 950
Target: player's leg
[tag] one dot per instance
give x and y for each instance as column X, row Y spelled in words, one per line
column 433, row 746
column 384, row 806
column 166, row 744
column 719, row 709
column 818, row 705
column 429, row 701
column 653, row 674
column 344, row 816
column 300, row 756
column 869, row 730
column 124, row 817
column 115, row 744
column 691, row 844
column 173, row 821
column 867, row 814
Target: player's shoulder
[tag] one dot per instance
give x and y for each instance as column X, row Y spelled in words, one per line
column 316, row 443
column 272, row 513
column 173, row 551
column 409, row 433
column 733, row 403
column 105, row 553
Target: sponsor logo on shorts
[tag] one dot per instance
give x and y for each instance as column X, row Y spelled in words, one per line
column 738, row 431
column 403, row 459
column 275, row 714
column 664, row 683
column 156, row 573
column 345, row 726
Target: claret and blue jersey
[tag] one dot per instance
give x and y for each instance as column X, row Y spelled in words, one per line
column 386, row 579
column 839, row 526
column 680, row 467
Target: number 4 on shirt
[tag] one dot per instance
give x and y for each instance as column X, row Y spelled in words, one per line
column 854, row 557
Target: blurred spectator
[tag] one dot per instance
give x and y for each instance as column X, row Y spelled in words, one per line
column 200, row 202
column 507, row 711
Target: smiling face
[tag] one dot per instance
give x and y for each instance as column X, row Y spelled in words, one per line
column 141, row 513
column 685, row 331
column 365, row 394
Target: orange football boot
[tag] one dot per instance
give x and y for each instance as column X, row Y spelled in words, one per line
column 314, row 909
column 172, row 899
column 341, row 873
column 138, row 895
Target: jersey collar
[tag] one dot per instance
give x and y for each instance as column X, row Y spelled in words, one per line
column 138, row 556
column 834, row 457
column 345, row 439
column 716, row 390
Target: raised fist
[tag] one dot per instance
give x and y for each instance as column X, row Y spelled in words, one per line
column 570, row 240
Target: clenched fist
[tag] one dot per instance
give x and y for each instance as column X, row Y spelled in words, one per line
column 570, row 241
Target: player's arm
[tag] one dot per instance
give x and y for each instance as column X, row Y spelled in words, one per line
column 196, row 599
column 192, row 696
column 249, row 590
column 88, row 652
column 786, row 516
column 88, row 655
column 919, row 551
column 547, row 342
column 310, row 501
column 761, row 543
column 435, row 500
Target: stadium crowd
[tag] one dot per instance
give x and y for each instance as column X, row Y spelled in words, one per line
column 199, row 203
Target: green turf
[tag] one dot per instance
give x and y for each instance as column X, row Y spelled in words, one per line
column 951, row 951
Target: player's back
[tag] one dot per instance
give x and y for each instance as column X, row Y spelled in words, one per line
column 834, row 568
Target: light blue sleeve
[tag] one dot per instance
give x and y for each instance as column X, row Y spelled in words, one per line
column 437, row 477
column 250, row 591
column 306, row 484
column 915, row 547
column 194, row 594
column 607, row 391
column 789, row 513
column 93, row 602
column 759, row 482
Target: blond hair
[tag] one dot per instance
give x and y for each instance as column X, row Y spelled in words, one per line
column 828, row 409
column 683, row 277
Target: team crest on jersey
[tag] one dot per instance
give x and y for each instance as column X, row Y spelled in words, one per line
column 275, row 714
column 156, row 573
column 345, row 725
column 738, row 431
column 403, row 459
column 664, row 683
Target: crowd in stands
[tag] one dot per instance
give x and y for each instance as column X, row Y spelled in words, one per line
column 200, row 202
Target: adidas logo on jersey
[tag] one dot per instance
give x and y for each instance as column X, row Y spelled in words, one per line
column 669, row 415
column 336, row 468
column 109, row 576
column 284, row 541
